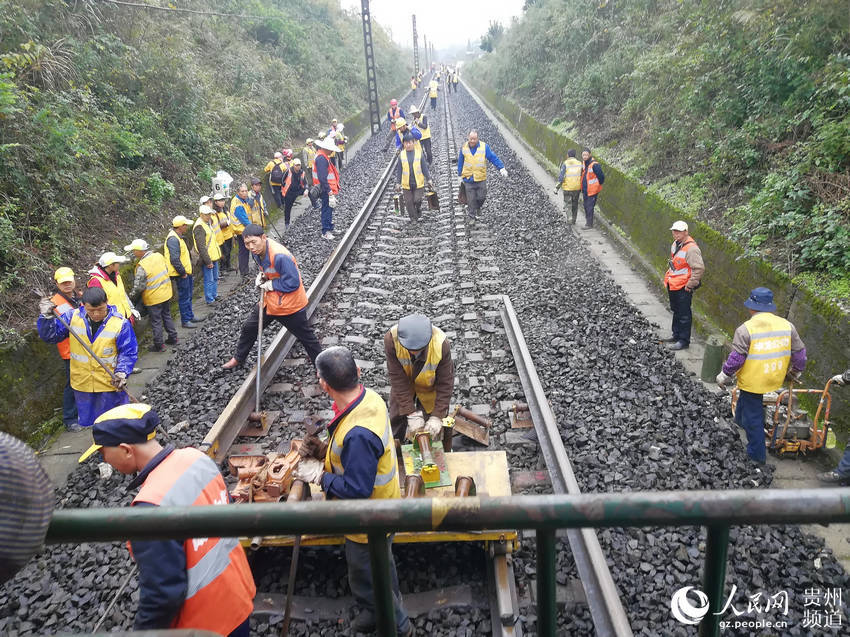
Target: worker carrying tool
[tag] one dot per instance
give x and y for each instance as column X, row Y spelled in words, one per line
column 765, row 351
column 421, row 374
column 103, row 351
column 841, row 474
column 472, row 171
column 420, row 123
column 284, row 301
column 360, row 462
column 197, row 583
column 404, row 128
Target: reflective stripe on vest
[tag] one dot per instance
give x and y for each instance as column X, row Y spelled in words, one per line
column 417, row 168
column 62, row 306
column 572, row 174
column 86, row 373
column 226, row 231
column 158, row 287
column 235, row 224
column 593, row 185
column 213, row 249
column 425, row 381
column 767, row 360
column 185, row 259
column 258, row 214
column 394, row 113
column 474, row 165
column 311, row 156
column 216, row 228
column 220, row 588
column 333, row 173
column 282, row 303
column 679, row 272
column 115, row 293
column 287, row 184
column 426, row 132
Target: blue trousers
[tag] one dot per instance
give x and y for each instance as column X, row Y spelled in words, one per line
column 90, row 405
column 360, row 581
column 680, row 305
column 184, row 298
column 843, row 467
column 327, row 214
column 210, row 282
column 749, row 414
column 69, row 405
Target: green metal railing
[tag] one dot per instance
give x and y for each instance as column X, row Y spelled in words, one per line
column 717, row 510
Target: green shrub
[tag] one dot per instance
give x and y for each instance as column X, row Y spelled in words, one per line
column 159, row 189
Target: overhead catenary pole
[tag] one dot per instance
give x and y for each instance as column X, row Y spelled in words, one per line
column 427, row 64
column 415, row 48
column 371, row 78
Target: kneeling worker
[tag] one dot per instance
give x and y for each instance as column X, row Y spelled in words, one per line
column 284, row 298
column 359, row 463
column 109, row 335
column 421, row 374
column 198, row 583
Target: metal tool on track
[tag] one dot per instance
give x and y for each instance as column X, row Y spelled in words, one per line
column 259, row 421
column 430, row 471
column 298, row 491
column 467, row 423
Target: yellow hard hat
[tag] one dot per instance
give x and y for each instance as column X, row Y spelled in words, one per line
column 63, row 275
column 400, row 121
column 180, row 220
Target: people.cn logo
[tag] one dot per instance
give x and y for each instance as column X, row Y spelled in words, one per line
column 685, row 611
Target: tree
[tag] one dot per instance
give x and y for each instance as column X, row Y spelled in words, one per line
column 492, row 37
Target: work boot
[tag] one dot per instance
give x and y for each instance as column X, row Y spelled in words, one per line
column 678, row 345
column 410, row 632
column 156, row 348
column 172, row 341
column 833, row 477
column 364, row 622
column 231, row 364
column 199, row 319
column 189, row 325
column 669, row 339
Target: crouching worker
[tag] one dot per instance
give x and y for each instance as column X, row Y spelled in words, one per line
column 359, row 463
column 199, row 583
column 422, row 376
column 109, row 336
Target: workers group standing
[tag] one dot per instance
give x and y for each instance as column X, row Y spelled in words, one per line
column 239, row 218
column 569, row 180
column 421, row 376
column 152, row 284
column 199, row 583
column 472, row 171
column 592, row 179
column 326, row 176
column 66, row 299
column 101, row 328
column 283, row 297
column 412, row 174
column 203, row 234
column 179, row 264
column 765, row 350
column 684, row 272
column 360, row 462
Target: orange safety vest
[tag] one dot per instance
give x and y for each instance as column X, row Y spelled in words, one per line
column 333, row 173
column 678, row 272
column 62, row 306
column 288, row 181
column 593, row 185
column 282, row 303
column 394, row 113
column 220, row 590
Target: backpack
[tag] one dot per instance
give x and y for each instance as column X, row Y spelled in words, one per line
column 277, row 174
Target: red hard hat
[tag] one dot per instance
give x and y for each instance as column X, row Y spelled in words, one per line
column 393, row 102
column 287, row 153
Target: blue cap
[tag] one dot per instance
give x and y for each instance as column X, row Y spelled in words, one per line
column 761, row 300
column 131, row 424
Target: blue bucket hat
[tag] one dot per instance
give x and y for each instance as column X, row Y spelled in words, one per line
column 132, row 424
column 761, row 300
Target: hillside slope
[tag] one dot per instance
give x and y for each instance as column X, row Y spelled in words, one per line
column 113, row 118
column 736, row 111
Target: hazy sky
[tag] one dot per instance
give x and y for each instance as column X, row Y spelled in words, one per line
column 448, row 22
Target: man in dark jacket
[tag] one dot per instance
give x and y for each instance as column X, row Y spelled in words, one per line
column 294, row 185
column 592, row 179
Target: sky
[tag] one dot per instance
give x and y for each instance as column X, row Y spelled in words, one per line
column 447, row 22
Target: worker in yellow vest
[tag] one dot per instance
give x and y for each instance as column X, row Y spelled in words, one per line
column 765, row 351
column 420, row 123
column 179, row 262
column 360, row 462
column 259, row 213
column 66, row 298
column 203, row 235
column 276, row 169
column 106, row 275
column 472, row 171
column 412, row 174
column 153, row 285
column 109, row 335
column 421, row 375
column 308, row 155
column 432, row 91
column 225, row 237
column 569, row 180
column 240, row 207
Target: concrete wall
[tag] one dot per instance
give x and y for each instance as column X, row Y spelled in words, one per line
column 645, row 219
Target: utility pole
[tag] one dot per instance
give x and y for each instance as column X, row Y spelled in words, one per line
column 371, row 78
column 427, row 65
column 415, row 48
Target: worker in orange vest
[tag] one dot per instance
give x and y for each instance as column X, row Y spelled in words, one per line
column 326, row 176
column 197, row 583
column 592, row 179
column 67, row 298
column 684, row 271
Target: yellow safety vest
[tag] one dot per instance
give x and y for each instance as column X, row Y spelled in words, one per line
column 433, row 86
column 417, row 168
column 426, row 132
column 769, row 354
column 213, row 248
column 311, row 156
column 86, row 373
column 185, row 259
column 158, row 288
column 475, row 165
column 226, row 233
column 215, row 224
column 412, row 85
column 372, row 414
column 115, row 293
column 235, row 224
column 257, row 214
column 572, row 174
column 424, row 383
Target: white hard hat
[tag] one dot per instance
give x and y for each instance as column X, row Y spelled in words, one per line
column 108, row 258
column 680, row 226
column 204, row 200
column 136, row 244
column 278, row 155
column 328, row 144
column 205, row 210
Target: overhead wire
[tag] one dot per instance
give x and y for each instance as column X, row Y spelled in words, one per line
column 141, row 5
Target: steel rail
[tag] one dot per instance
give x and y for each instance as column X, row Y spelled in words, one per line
column 603, row 598
column 235, row 414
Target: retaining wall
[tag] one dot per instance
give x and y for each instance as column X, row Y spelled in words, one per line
column 645, row 219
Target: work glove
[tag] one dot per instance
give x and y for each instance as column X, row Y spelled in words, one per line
column 842, row 379
column 120, row 381
column 434, row 427
column 332, row 201
column 46, row 307
column 309, row 470
column 794, row 375
column 723, row 379
column 415, row 424
column 136, row 314
column 267, row 286
column 503, row 172
column 261, row 278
